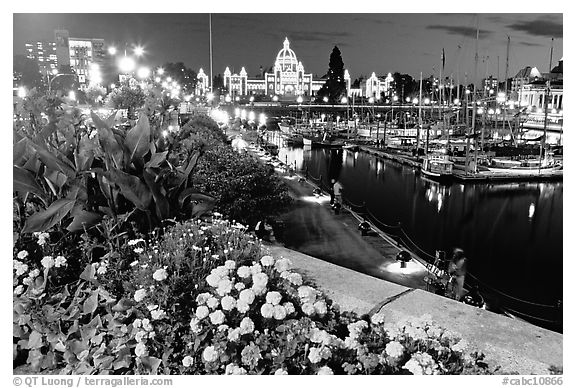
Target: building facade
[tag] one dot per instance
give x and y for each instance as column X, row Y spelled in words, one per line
column 84, row 56
column 44, row 54
column 287, row 80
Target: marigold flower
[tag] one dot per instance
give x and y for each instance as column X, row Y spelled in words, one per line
column 217, row 317
column 320, row 307
column 139, row 295
column 228, row 303
column 279, row 313
column 256, row 269
column 239, row 286
column 141, row 349
column 244, row 272
column 230, row 264
column 394, row 349
column 60, row 261
column 273, row 297
column 289, row 308
column 158, row 314
column 267, row 261
column 307, row 294
column 242, row 306
column 22, row 255
column 195, row 325
column 203, row 297
column 280, row 372
column 187, row 361
column 138, row 250
column 224, row 287
column 283, row 265
column 314, row 355
column 325, row 370
column 267, row 310
column 18, row 290
column 34, row 273
column 246, row 326
column 377, row 319
column 160, row 275
column 234, row 334
column 47, row 262
column 308, row 309
column 247, row 296
column 210, row 354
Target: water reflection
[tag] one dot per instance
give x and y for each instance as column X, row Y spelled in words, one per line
column 489, row 221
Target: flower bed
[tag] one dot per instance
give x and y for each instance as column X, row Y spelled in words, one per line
column 202, row 299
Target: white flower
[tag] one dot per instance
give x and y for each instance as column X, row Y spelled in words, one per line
column 377, row 319
column 141, row 349
column 279, row 312
column 230, row 264
column 273, row 297
column 246, row 326
column 242, row 306
column 60, row 261
column 137, row 323
column 158, row 314
column 22, row 255
column 187, row 361
column 203, row 297
column 47, row 262
column 308, row 309
column 394, row 349
column 244, row 272
column 234, row 334
column 210, row 354
column 255, row 269
column 283, row 265
column 320, row 307
column 102, row 268
column 239, row 286
column 21, row 269
column 232, row 369
column 34, row 273
column 139, row 295
column 195, row 325
column 42, row 237
column 314, row 355
column 151, row 307
column 289, row 308
column 224, row 287
column 213, row 279
column 325, row 370
column 260, row 281
column 138, row 250
column 217, row 317
column 147, row 325
column 160, row 275
column 228, row 303
column 134, row 242
column 460, row 346
column 295, row 279
column 267, row 310
column 202, row 312
column 280, row 372
column 247, row 296
column 27, row 281
column 307, row 294
column 267, row 261
column 140, row 336
column 212, row 302
column 18, row 290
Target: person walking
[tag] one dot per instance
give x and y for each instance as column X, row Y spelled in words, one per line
column 331, row 192
column 337, row 188
column 457, row 272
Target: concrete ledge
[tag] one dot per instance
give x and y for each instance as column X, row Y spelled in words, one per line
column 514, row 345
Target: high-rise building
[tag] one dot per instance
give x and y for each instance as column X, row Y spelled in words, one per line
column 86, row 56
column 43, row 53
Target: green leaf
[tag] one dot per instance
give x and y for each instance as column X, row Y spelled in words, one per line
column 89, row 273
column 138, row 138
column 108, row 141
column 54, row 163
column 35, row 340
column 19, row 150
column 131, row 188
column 151, row 364
column 41, row 221
column 84, row 219
column 90, row 304
column 56, row 177
column 162, row 205
column 156, row 160
column 24, row 182
column 189, row 167
column 84, row 154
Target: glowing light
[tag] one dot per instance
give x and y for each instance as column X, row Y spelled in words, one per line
column 160, row 71
column 322, row 116
column 497, row 111
column 371, row 100
column 251, row 98
column 415, row 101
column 262, row 118
column 113, row 86
column 227, row 98
column 210, row 96
column 138, row 51
column 164, row 84
column 490, row 111
column 396, row 267
column 243, row 114
column 187, row 98
column 54, row 71
column 480, row 111
column 21, row 92
column 467, row 91
column 127, row 64
column 237, row 112
column 112, row 50
column 299, row 100
column 169, row 79
column 456, row 101
column 157, row 79
column 325, row 99
column 275, row 98
column 238, row 98
column 72, row 95
column 143, row 72
column 164, row 133
column 426, row 101
column 251, row 116
column 407, row 99
column 531, row 210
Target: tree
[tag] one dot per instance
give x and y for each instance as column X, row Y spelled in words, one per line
column 28, row 72
column 335, row 86
column 185, row 77
column 127, row 97
column 357, row 82
column 404, row 85
column 95, row 94
column 218, row 84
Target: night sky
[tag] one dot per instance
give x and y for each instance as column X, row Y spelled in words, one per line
column 376, row 42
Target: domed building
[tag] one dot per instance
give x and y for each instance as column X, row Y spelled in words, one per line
column 288, row 80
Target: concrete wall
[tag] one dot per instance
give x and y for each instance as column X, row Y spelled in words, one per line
column 514, row 345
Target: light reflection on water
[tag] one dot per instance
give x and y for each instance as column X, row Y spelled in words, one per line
column 508, row 231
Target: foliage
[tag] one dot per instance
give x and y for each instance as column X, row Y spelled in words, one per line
column 95, row 94
column 244, row 189
column 27, row 72
column 335, row 86
column 126, row 96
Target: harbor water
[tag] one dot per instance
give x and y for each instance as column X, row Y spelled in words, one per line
column 510, row 232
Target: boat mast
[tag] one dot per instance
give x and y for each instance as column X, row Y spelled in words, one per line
column 473, row 102
column 211, row 75
column 506, row 87
column 419, row 118
column 546, row 97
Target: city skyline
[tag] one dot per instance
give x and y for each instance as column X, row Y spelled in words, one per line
column 412, row 43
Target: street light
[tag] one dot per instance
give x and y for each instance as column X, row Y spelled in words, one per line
column 127, row 65
column 138, row 51
column 112, row 50
column 160, row 71
column 299, row 100
column 22, row 92
column 275, row 98
column 143, row 72
column 325, row 99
